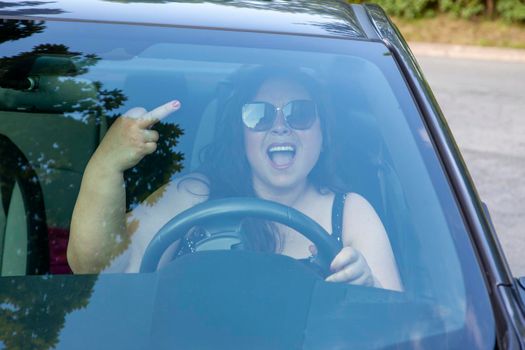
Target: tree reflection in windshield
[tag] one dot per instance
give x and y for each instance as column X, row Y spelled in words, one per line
column 33, row 309
column 94, row 104
column 14, row 30
column 349, row 26
column 27, row 8
column 49, row 82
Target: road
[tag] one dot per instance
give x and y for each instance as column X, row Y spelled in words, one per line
column 484, row 103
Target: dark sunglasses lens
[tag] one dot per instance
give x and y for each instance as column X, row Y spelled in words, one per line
column 301, row 114
column 258, row 116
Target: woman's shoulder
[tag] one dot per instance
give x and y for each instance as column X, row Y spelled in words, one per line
column 359, row 215
column 196, row 184
column 355, row 201
column 191, row 189
column 346, row 201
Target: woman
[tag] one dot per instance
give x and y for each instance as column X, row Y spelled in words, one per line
column 284, row 155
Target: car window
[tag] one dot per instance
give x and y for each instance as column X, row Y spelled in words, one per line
column 62, row 86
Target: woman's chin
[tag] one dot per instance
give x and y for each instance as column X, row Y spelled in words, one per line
column 284, row 182
column 282, row 176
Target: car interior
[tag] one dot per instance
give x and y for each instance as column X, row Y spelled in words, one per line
column 56, row 127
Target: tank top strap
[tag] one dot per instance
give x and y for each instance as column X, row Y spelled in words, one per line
column 337, row 216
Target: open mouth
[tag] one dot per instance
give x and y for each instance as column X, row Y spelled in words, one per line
column 282, row 155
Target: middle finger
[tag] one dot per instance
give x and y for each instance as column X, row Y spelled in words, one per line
column 159, row 113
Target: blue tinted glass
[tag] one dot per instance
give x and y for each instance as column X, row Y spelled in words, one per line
column 79, row 79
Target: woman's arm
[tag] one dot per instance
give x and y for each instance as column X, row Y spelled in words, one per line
column 99, row 231
column 366, row 257
column 364, row 231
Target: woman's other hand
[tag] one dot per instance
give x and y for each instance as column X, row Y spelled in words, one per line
column 349, row 266
column 130, row 139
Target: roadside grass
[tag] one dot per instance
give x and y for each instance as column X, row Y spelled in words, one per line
column 447, row 29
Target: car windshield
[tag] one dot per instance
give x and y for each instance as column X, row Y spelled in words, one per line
column 337, row 110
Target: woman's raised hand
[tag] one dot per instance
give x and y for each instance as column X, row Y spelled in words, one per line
column 350, row 266
column 130, row 139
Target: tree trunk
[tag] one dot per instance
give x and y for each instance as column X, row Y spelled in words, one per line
column 489, row 7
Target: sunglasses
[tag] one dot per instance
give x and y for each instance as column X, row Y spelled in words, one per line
column 298, row 115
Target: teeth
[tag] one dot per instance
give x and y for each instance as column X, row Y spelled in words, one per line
column 281, row 149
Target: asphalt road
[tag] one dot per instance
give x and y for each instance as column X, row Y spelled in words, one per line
column 484, row 103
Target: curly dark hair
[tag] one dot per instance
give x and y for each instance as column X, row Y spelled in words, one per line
column 224, row 160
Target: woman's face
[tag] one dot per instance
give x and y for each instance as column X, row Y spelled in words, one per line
column 282, row 157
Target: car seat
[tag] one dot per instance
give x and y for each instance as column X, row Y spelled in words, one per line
column 24, row 245
column 374, row 176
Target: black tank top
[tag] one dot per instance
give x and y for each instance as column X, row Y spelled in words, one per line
column 338, row 207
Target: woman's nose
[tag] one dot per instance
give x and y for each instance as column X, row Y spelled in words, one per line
column 280, row 126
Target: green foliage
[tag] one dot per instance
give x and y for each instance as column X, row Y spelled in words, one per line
column 408, row 8
column 463, row 8
column 511, row 10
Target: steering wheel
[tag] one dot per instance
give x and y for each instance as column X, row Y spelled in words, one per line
column 224, row 216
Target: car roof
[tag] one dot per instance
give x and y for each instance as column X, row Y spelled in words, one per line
column 327, row 18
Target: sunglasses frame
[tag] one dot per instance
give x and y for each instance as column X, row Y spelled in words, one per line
column 276, row 111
